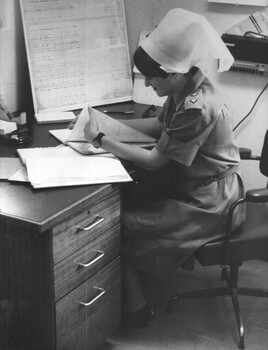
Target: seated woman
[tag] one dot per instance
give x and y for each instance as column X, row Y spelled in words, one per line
column 180, row 198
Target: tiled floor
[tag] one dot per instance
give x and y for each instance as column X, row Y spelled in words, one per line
column 201, row 324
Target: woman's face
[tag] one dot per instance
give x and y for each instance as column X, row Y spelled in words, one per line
column 166, row 86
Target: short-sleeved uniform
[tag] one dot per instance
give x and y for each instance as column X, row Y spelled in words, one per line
column 169, row 214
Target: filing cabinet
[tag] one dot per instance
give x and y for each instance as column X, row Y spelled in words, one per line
column 60, row 275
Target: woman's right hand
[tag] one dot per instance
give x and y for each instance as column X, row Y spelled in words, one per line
column 72, row 123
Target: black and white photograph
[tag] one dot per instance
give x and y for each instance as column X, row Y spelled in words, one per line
column 133, row 174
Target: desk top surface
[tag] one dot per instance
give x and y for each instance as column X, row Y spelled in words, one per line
column 39, row 208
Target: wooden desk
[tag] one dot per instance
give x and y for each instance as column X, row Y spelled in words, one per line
column 60, row 267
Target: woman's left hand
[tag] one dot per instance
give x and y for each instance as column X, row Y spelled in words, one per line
column 91, row 129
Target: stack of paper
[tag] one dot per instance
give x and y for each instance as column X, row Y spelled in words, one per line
column 54, row 117
column 62, row 166
column 7, row 127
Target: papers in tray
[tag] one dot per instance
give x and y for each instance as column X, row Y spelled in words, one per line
column 7, row 127
column 62, row 166
column 54, row 117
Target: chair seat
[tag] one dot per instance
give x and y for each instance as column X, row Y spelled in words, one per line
column 248, row 242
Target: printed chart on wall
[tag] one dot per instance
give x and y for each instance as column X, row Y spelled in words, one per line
column 77, row 53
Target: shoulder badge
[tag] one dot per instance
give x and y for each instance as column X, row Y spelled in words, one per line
column 194, row 101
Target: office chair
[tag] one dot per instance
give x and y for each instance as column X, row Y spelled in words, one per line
column 248, row 242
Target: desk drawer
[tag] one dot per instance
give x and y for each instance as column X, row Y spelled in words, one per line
column 82, row 264
column 90, row 313
column 85, row 225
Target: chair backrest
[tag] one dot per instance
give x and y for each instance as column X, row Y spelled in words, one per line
column 264, row 156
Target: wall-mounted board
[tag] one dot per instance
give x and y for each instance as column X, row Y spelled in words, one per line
column 77, row 53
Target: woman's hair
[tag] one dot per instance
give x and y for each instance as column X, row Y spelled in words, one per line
column 146, row 65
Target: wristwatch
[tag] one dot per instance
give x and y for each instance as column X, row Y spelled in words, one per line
column 97, row 141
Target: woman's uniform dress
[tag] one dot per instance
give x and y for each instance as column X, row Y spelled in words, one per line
column 170, row 213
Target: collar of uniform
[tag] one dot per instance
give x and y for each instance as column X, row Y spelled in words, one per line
column 193, row 84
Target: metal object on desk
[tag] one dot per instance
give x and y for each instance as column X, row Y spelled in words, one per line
column 18, row 137
column 117, row 112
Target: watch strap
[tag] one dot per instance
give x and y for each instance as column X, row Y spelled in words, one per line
column 96, row 142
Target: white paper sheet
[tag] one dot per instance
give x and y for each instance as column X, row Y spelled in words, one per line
column 61, row 135
column 8, row 167
column 20, row 176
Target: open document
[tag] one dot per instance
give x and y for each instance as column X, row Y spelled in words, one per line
column 111, row 127
column 62, row 166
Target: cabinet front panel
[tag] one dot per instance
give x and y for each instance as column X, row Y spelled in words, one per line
column 82, row 264
column 91, row 312
column 85, row 226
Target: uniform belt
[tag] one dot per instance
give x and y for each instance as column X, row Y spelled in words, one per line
column 223, row 175
column 193, row 183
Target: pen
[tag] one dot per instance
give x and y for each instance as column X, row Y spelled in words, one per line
column 118, row 112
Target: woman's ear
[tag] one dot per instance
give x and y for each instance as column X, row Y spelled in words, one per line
column 173, row 75
column 179, row 76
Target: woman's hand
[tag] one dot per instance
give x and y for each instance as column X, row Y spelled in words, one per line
column 91, row 129
column 72, row 123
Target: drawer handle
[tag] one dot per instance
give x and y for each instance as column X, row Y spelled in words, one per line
column 101, row 254
column 101, row 292
column 96, row 220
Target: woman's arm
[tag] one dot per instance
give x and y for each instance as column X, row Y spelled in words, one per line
column 149, row 126
column 147, row 159
column 150, row 160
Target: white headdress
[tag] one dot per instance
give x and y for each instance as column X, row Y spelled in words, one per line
column 184, row 39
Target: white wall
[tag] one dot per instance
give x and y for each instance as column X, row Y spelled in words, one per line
column 14, row 78
column 147, row 13
column 239, row 90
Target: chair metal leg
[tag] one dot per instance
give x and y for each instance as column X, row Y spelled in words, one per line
column 201, row 293
column 262, row 293
column 238, row 318
column 231, row 279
